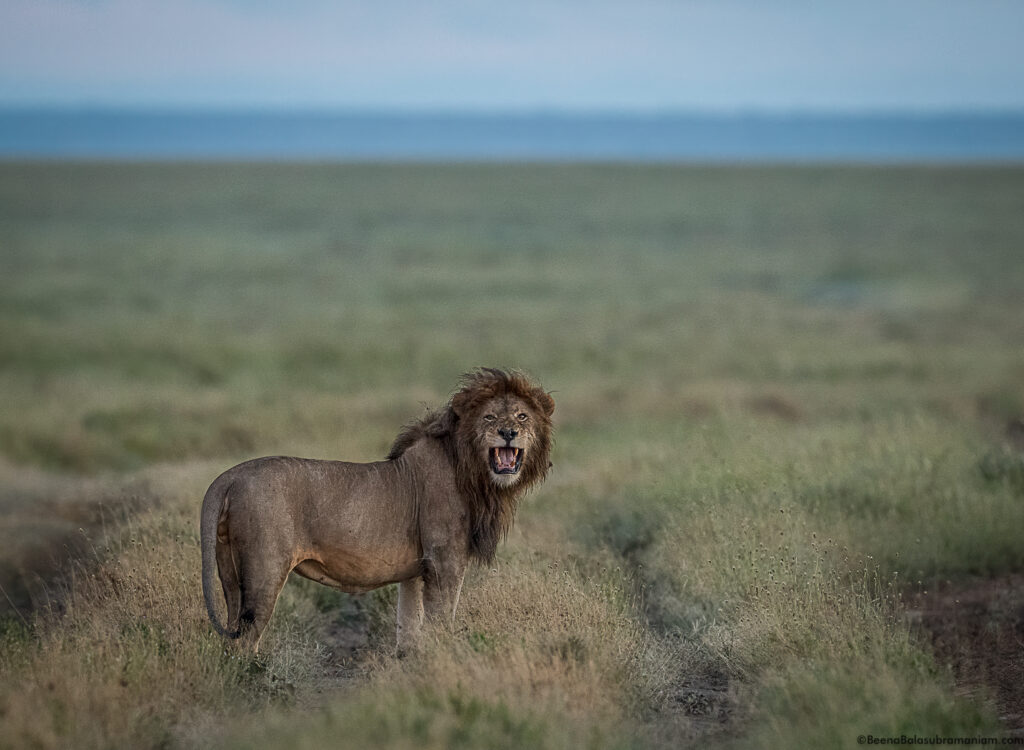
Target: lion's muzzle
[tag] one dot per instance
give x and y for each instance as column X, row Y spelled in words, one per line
column 506, row 459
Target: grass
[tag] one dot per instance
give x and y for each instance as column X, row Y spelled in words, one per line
column 786, row 398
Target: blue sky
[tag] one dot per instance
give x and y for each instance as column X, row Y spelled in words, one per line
column 470, row 55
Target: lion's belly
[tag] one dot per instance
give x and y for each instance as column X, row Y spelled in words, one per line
column 355, row 574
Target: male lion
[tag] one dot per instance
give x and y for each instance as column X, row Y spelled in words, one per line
column 445, row 495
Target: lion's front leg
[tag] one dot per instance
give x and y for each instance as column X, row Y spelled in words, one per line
column 442, row 585
column 410, row 611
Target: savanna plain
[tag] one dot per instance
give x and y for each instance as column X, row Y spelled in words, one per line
column 787, row 499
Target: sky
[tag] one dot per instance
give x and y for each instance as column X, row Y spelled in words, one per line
column 528, row 55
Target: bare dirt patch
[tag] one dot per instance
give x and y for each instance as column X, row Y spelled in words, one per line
column 49, row 526
column 977, row 628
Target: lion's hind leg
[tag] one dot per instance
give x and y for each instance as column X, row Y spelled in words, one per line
column 261, row 581
column 227, row 567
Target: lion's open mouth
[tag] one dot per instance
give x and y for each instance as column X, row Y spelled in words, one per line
column 506, row 460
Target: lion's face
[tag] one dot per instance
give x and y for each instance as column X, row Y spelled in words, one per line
column 505, row 425
column 506, row 429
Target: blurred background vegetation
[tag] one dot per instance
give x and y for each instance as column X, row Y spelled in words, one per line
column 157, row 313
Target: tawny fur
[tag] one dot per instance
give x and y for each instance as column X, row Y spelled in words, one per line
column 416, row 518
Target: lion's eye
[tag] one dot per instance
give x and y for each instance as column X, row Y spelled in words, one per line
column 521, row 416
column 489, row 417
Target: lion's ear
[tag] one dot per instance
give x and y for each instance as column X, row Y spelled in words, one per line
column 443, row 425
column 459, row 403
column 545, row 401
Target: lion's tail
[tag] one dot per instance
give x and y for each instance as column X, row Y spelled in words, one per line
column 213, row 503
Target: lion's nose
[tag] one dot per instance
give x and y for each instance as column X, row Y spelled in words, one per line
column 508, row 433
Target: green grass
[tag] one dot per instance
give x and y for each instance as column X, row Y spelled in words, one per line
column 783, row 397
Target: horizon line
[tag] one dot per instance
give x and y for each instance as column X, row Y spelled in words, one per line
column 632, row 113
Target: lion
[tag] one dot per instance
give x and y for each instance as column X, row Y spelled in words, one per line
column 445, row 495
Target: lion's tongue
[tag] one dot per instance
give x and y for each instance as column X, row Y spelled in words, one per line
column 506, row 458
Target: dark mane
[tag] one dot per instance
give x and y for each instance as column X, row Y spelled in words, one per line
column 491, row 507
column 415, row 431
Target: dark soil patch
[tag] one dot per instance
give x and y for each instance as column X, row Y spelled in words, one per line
column 1015, row 433
column 774, row 405
column 977, row 628
column 707, row 701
